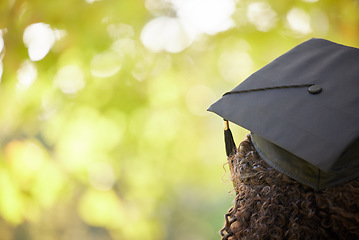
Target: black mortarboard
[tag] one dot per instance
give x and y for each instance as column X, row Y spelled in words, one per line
column 303, row 112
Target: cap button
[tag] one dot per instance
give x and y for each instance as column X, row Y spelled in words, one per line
column 314, row 89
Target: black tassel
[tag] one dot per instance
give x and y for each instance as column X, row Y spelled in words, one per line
column 228, row 139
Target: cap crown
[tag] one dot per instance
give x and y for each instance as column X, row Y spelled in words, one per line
column 276, row 104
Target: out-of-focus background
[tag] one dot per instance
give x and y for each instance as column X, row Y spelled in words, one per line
column 104, row 132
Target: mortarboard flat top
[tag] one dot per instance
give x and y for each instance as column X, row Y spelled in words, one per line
column 305, row 102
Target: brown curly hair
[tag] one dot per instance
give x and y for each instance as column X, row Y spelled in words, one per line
column 270, row 205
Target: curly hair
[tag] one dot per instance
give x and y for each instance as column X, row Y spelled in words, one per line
column 270, row 205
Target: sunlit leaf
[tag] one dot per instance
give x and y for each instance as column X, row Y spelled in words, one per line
column 102, row 208
column 11, row 204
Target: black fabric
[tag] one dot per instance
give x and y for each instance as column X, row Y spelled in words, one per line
column 345, row 169
column 314, row 127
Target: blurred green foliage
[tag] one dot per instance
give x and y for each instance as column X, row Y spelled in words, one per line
column 104, row 138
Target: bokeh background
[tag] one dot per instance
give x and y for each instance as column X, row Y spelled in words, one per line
column 104, row 132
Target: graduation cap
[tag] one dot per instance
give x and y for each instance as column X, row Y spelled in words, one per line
column 303, row 113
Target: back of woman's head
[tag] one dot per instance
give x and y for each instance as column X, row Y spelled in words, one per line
column 270, row 205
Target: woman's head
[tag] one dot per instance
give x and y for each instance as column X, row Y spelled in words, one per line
column 297, row 177
column 270, row 205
